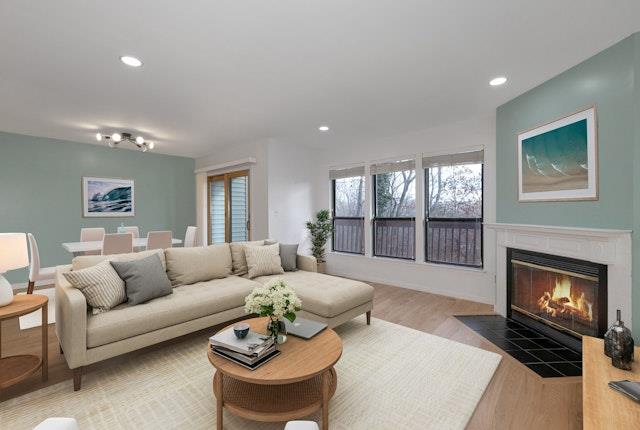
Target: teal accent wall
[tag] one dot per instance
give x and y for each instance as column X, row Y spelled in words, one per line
column 610, row 81
column 41, row 191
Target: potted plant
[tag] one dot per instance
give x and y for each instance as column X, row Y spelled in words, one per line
column 320, row 230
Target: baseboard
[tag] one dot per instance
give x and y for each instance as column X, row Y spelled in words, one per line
column 417, row 287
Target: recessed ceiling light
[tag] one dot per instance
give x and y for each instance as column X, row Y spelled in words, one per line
column 131, row 61
column 323, row 128
column 497, row 81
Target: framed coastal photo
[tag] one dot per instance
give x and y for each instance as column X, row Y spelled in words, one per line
column 558, row 161
column 107, row 197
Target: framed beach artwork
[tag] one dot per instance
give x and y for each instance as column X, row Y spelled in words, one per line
column 108, row 197
column 558, row 161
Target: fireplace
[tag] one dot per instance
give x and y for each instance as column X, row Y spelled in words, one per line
column 562, row 297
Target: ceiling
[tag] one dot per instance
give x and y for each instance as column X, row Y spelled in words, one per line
column 231, row 72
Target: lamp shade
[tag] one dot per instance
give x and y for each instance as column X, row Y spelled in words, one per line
column 13, row 251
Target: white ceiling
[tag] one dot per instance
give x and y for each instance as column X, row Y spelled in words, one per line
column 229, row 72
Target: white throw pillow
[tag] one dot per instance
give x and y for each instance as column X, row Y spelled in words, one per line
column 239, row 260
column 263, row 260
column 101, row 286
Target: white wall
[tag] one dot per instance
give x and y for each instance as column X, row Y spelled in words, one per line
column 474, row 284
column 258, row 183
column 282, row 182
column 290, row 182
column 292, row 176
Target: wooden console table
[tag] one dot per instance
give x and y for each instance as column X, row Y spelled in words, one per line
column 603, row 407
column 15, row 368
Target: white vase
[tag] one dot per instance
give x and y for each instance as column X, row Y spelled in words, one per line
column 6, row 292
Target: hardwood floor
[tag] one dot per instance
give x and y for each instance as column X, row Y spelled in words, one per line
column 516, row 398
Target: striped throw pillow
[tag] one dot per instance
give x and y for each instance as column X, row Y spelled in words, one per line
column 263, row 260
column 101, row 286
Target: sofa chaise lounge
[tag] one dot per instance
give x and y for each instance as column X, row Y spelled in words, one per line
column 86, row 338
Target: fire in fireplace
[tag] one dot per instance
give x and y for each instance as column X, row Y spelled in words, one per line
column 567, row 301
column 565, row 295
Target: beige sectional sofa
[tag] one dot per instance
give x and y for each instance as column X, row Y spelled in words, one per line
column 86, row 338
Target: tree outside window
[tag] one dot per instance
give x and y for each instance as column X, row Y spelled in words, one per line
column 349, row 197
column 396, row 194
column 455, row 191
column 348, row 214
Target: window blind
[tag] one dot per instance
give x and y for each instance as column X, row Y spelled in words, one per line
column 472, row 157
column 393, row 166
column 346, row 173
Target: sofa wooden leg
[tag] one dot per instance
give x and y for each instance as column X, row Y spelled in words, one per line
column 77, row 378
column 368, row 317
column 61, row 351
column 30, row 287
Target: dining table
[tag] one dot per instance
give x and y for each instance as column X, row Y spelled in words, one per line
column 79, row 248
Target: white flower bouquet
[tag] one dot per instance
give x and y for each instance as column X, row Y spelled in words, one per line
column 275, row 299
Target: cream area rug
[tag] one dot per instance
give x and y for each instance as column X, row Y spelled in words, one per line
column 34, row 319
column 389, row 377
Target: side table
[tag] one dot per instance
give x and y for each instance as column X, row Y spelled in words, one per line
column 16, row 368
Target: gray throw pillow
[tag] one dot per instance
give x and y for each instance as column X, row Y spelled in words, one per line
column 288, row 255
column 144, row 279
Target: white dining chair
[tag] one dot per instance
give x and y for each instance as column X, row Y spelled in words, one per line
column 117, row 243
column 93, row 234
column 37, row 273
column 135, row 231
column 159, row 239
column 191, row 237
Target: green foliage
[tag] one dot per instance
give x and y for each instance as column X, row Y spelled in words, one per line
column 384, row 195
column 267, row 311
column 320, row 230
column 395, row 194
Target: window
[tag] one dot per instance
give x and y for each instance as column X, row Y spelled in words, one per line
column 453, row 218
column 348, row 210
column 228, row 207
column 394, row 222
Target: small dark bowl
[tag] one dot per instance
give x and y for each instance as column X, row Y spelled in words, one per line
column 241, row 330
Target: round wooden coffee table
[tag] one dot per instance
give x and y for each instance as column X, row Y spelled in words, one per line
column 15, row 368
column 293, row 385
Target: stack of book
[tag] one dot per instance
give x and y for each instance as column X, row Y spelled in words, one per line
column 251, row 352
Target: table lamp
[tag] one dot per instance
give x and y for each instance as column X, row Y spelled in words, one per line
column 13, row 255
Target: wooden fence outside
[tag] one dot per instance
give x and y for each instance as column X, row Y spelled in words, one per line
column 395, row 238
column 453, row 242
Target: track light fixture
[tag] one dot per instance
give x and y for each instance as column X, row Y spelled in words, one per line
column 114, row 139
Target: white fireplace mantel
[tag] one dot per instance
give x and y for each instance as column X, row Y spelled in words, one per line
column 604, row 246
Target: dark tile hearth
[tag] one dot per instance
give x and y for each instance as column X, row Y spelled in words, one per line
column 539, row 353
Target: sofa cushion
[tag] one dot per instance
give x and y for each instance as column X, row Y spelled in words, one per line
column 288, row 255
column 239, row 259
column 84, row 261
column 144, row 279
column 199, row 264
column 324, row 295
column 102, row 287
column 188, row 302
column 263, row 260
